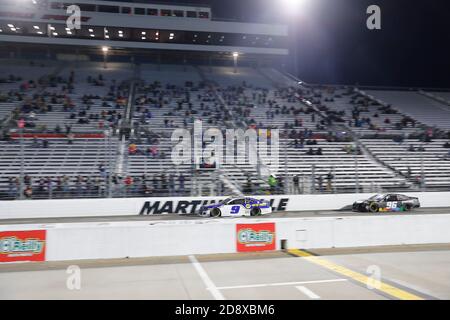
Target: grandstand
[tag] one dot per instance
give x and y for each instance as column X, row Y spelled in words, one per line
column 100, row 105
column 173, row 96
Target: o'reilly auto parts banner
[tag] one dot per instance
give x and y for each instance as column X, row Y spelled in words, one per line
column 22, row 245
column 255, row 237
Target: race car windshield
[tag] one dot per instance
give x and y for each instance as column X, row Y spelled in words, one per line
column 377, row 197
column 225, row 201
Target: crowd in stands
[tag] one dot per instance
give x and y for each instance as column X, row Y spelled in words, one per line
column 252, row 107
column 57, row 95
column 95, row 186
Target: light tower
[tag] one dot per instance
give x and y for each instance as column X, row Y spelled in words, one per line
column 235, row 58
column 292, row 9
column 105, row 56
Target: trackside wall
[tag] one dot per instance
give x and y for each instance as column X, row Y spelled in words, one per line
column 180, row 205
column 77, row 241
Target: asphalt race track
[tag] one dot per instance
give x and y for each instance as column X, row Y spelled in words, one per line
column 292, row 214
column 406, row 272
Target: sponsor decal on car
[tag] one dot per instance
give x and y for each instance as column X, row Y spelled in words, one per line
column 22, row 245
column 255, row 237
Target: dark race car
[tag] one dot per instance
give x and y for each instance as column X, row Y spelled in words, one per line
column 391, row 202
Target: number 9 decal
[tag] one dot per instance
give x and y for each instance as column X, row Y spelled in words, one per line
column 235, row 209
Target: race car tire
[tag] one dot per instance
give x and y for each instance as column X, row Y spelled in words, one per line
column 255, row 212
column 373, row 207
column 215, row 213
column 408, row 207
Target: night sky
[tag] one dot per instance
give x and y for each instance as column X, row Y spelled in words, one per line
column 334, row 45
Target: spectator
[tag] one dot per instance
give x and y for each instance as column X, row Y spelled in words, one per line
column 102, row 170
column 13, row 187
column 248, row 185
column 70, row 138
column 273, row 183
column 320, row 183
column 181, row 180
column 310, row 152
column 155, row 183
column 164, row 183
column 154, row 151
column 128, row 183
column 296, row 183
column 330, row 178
column 132, row 149
column 35, row 143
column 409, row 172
column 319, row 151
column 65, row 184
column 28, row 192
column 27, row 180
column 171, row 184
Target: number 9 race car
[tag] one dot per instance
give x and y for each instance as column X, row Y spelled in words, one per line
column 237, row 207
column 386, row 203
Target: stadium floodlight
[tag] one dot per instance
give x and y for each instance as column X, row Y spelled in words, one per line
column 36, row 27
column 105, row 50
column 292, row 7
column 235, row 58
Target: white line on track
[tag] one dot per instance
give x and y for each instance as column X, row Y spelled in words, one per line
column 206, row 279
column 280, row 284
column 308, row 292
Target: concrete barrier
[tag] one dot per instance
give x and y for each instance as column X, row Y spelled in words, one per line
column 180, row 205
column 77, row 241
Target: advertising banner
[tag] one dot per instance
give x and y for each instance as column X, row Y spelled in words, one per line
column 255, row 237
column 22, row 245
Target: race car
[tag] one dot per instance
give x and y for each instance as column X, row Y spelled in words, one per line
column 390, row 202
column 237, row 207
